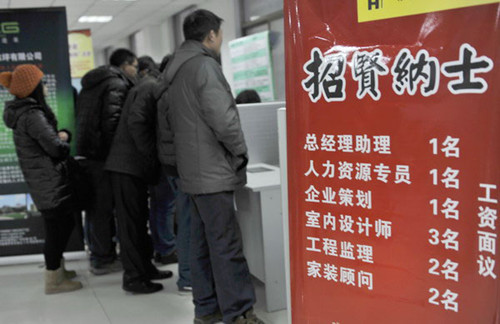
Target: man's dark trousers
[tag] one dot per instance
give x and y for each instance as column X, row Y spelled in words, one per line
column 136, row 248
column 100, row 216
column 219, row 271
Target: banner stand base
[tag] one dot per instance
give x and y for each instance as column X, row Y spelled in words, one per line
column 38, row 258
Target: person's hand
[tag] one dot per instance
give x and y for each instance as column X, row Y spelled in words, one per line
column 63, row 136
column 244, row 162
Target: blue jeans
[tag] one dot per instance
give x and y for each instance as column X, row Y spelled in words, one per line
column 161, row 216
column 183, row 213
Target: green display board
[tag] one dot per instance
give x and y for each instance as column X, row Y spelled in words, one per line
column 252, row 65
column 30, row 36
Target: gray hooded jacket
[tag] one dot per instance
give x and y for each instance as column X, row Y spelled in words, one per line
column 210, row 149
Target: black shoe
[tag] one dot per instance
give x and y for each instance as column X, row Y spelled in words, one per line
column 160, row 275
column 142, row 287
column 166, row 259
column 105, row 268
column 248, row 317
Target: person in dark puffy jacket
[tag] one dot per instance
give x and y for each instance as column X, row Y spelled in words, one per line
column 43, row 154
column 99, row 107
column 161, row 196
column 132, row 162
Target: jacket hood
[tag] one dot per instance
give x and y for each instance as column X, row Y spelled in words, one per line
column 96, row 76
column 15, row 108
column 148, row 78
column 154, row 73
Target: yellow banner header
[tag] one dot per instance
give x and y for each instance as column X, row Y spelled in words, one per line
column 369, row 10
column 81, row 52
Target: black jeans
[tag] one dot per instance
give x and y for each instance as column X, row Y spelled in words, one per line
column 219, row 271
column 58, row 228
column 100, row 215
column 136, row 247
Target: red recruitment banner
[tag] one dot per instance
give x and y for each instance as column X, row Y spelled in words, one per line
column 393, row 164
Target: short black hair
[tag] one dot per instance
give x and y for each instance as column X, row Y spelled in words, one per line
column 248, row 96
column 120, row 56
column 146, row 62
column 199, row 24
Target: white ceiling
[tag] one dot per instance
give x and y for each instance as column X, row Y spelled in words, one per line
column 128, row 16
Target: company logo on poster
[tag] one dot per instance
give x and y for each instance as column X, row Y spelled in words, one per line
column 11, row 27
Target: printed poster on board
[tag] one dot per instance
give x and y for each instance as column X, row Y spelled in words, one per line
column 81, row 52
column 31, row 36
column 393, row 114
column 252, row 65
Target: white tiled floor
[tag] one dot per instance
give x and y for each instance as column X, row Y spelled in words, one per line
column 101, row 301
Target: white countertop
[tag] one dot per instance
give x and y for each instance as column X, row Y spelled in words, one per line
column 261, row 176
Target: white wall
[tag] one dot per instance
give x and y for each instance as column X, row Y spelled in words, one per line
column 158, row 40
column 229, row 11
column 101, row 56
column 155, row 40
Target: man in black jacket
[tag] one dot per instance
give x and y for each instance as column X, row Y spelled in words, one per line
column 133, row 164
column 99, row 106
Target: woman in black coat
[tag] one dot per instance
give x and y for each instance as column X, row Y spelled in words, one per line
column 43, row 155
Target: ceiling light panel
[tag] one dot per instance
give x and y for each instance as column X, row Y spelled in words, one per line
column 95, row 19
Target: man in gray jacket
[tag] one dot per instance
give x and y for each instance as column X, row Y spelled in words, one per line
column 211, row 158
